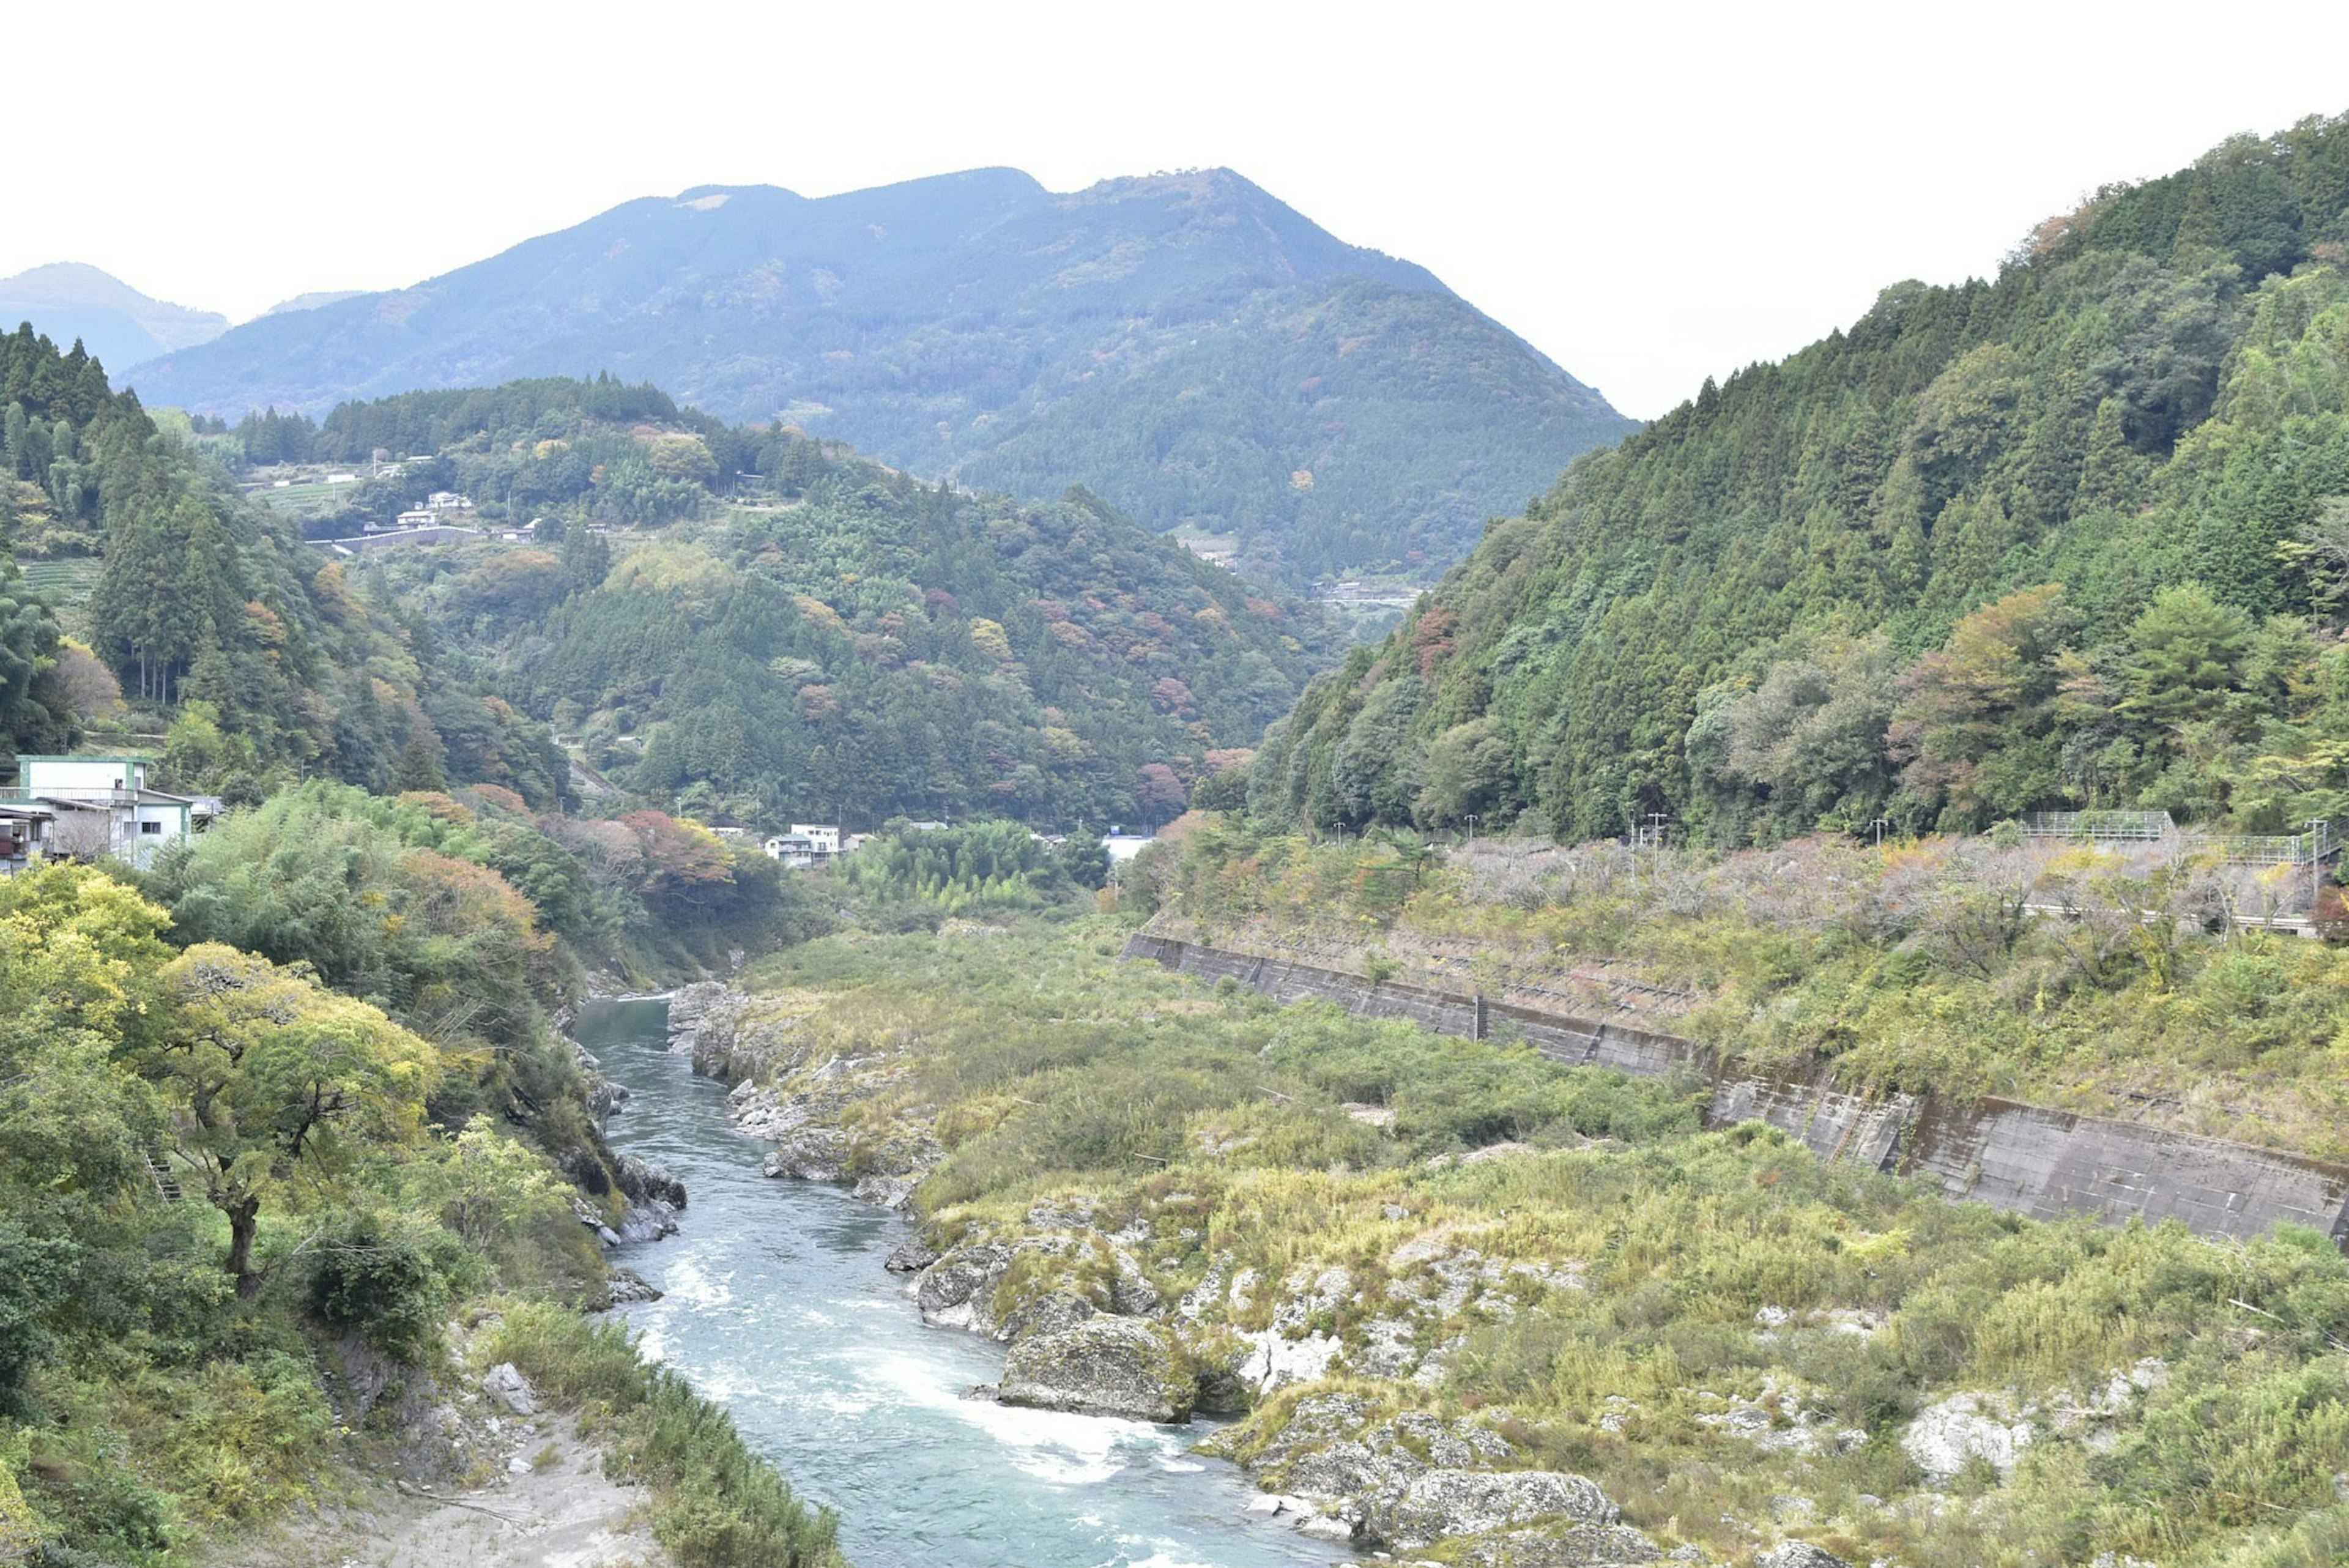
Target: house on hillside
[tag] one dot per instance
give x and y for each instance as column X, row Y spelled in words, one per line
column 102, row 805
column 795, row 851
column 824, row 838
column 23, row 826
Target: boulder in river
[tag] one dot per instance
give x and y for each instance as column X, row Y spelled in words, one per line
column 1103, row 1367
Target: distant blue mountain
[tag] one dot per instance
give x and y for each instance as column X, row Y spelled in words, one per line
column 69, row 302
column 1186, row 345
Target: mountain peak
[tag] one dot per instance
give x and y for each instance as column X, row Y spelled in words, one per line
column 74, row 300
column 1185, row 344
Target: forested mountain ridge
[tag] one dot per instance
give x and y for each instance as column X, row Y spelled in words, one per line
column 1186, row 345
column 788, row 631
column 2071, row 536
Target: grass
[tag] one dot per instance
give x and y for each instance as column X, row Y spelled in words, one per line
column 716, row 1504
column 1670, row 1276
column 1913, row 967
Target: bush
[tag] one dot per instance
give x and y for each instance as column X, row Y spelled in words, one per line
column 388, row 1279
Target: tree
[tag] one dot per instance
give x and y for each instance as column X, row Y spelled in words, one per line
column 33, row 711
column 1974, row 719
column 2184, row 654
column 272, row 1076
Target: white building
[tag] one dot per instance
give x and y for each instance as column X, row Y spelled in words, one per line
column 823, row 837
column 795, row 851
column 23, row 828
column 101, row 805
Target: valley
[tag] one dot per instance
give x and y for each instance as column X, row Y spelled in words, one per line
column 962, row 873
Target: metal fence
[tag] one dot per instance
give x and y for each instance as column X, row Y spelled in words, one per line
column 2275, row 848
column 2140, row 827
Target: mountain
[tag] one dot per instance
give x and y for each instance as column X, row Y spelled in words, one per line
column 2073, row 536
column 1191, row 349
column 313, row 300
column 118, row 325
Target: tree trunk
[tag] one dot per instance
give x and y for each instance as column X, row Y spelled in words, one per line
column 244, row 1220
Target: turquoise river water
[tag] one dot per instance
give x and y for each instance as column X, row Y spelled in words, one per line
column 777, row 1306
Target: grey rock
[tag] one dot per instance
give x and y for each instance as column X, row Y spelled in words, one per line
column 910, row 1257
column 627, row 1286
column 505, row 1384
column 647, row 1221
column 1104, row 1367
column 1046, row 1314
column 958, row 1290
column 647, row 1183
column 1440, row 1502
column 811, row 1154
column 1799, row 1555
column 1573, row 1547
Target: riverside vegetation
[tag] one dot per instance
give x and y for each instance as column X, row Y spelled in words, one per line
column 239, row 1203
column 1443, row 1279
column 1914, row 967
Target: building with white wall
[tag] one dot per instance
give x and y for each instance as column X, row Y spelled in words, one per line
column 102, row 805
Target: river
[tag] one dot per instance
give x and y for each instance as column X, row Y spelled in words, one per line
column 776, row 1306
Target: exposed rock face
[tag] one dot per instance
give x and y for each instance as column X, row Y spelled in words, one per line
column 1947, row 1436
column 1435, row 1503
column 1572, row 1546
column 958, row 1290
column 1101, row 1366
column 654, row 1199
column 1047, row 1314
column 1800, row 1554
column 1338, row 1471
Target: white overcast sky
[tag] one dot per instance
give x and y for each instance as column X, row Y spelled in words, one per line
column 1648, row 193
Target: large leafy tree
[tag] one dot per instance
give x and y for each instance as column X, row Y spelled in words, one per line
column 274, row 1081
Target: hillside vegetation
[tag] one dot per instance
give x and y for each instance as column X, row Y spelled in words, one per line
column 2072, row 536
column 1184, row 345
column 207, row 616
column 788, row 630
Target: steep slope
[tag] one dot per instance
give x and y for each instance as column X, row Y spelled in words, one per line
column 2111, row 481
column 1186, row 345
column 118, row 324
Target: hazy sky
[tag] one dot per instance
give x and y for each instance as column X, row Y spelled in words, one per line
column 1650, row 194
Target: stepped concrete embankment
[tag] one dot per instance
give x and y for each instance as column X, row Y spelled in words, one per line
column 2041, row 1162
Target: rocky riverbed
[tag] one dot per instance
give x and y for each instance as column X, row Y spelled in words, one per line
column 1133, row 1312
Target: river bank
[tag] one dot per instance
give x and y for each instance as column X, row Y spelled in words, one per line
column 777, row 1305
column 555, row 1505
column 1471, row 1305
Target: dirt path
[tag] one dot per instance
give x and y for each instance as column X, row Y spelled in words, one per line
column 562, row 1512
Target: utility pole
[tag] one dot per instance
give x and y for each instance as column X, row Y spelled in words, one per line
column 1472, row 828
column 1879, row 825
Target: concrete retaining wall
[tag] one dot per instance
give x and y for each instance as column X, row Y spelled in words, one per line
column 2039, row 1162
